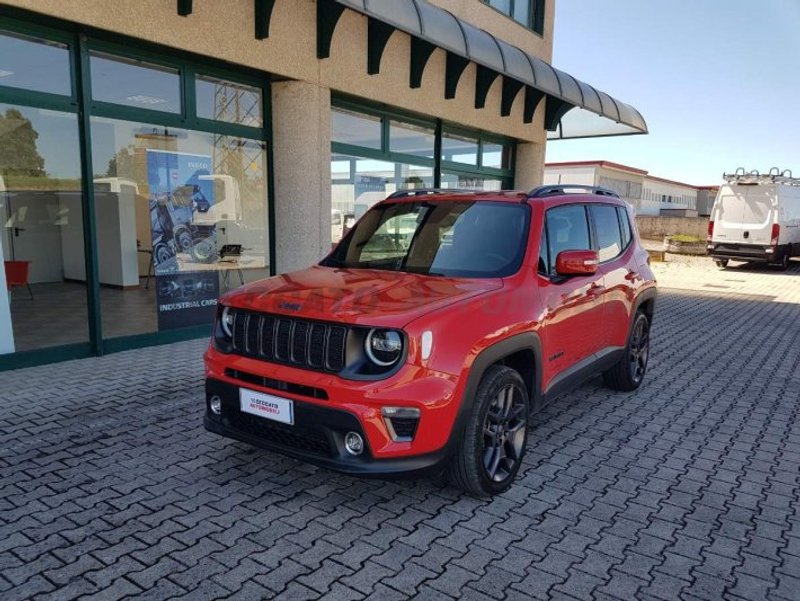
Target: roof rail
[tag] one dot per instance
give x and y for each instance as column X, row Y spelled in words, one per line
column 428, row 191
column 542, row 191
column 775, row 176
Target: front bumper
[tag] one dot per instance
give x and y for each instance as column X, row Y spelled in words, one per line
column 742, row 252
column 317, row 436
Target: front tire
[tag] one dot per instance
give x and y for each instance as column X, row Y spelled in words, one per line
column 492, row 445
column 721, row 263
column 628, row 373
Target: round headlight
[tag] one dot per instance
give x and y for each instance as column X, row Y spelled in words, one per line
column 226, row 322
column 384, row 347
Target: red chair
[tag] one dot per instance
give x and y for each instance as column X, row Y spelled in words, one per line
column 17, row 274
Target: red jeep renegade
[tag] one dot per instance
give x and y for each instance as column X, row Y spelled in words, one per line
column 430, row 334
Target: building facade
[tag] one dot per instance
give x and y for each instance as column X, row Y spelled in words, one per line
column 155, row 153
column 649, row 195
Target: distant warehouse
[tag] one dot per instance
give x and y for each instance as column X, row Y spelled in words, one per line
column 650, row 195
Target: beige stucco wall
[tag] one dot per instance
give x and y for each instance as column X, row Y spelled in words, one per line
column 225, row 30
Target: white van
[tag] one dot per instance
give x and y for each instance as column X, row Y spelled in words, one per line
column 756, row 218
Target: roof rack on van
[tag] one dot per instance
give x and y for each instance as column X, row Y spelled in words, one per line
column 427, row 192
column 775, row 176
column 542, row 191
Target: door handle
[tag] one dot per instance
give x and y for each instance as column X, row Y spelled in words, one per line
column 17, row 230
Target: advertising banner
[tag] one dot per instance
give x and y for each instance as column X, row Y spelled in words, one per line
column 178, row 192
column 186, row 299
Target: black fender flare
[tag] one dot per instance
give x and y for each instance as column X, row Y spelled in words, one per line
column 526, row 341
column 649, row 294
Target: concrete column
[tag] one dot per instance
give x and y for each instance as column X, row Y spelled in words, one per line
column 530, row 165
column 301, row 117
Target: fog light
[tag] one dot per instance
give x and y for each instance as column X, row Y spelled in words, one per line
column 354, row 443
column 216, row 405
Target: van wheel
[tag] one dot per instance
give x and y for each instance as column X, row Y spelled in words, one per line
column 629, row 371
column 783, row 264
column 490, row 451
column 721, row 263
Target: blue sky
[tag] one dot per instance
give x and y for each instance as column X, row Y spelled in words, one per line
column 718, row 82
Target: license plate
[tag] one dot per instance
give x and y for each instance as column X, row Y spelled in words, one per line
column 267, row 406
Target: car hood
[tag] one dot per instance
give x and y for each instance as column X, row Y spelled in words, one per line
column 358, row 296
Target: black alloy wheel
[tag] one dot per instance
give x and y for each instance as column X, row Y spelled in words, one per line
column 639, row 350
column 504, row 433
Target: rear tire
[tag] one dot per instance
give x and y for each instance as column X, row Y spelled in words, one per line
column 628, row 373
column 721, row 263
column 783, row 264
column 492, row 444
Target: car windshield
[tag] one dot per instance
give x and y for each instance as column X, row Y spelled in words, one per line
column 478, row 239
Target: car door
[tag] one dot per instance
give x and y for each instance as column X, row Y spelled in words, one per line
column 613, row 236
column 573, row 315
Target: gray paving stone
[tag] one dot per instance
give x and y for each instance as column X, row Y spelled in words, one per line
column 686, row 488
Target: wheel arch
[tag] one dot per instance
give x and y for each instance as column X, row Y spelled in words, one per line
column 521, row 352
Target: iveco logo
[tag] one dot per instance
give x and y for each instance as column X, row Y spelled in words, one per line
column 290, row 306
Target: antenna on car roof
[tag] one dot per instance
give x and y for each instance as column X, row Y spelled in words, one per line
column 543, row 191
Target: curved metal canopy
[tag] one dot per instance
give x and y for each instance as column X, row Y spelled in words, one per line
column 574, row 109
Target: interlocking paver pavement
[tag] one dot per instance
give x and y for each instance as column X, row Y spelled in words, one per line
column 688, row 489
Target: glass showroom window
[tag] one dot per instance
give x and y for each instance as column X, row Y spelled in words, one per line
column 358, row 183
column 42, row 247
column 375, row 154
column 43, row 299
column 135, row 83
column 185, row 211
column 529, row 13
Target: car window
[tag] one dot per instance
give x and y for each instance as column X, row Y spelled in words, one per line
column 475, row 239
column 625, row 224
column 567, row 229
column 606, row 225
column 391, row 240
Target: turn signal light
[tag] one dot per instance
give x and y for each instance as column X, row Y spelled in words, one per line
column 710, row 231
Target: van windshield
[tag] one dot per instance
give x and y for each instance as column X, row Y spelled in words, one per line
column 477, row 239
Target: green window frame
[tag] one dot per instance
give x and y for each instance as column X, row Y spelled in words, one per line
column 80, row 43
column 440, row 129
column 534, row 19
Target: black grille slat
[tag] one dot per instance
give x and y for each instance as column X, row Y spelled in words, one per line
column 299, row 342
column 335, row 348
column 239, row 330
column 316, row 346
column 252, row 328
column 267, row 336
column 284, row 336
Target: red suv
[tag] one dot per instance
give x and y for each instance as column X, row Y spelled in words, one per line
column 430, row 334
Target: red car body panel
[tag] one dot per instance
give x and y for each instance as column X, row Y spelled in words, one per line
column 574, row 319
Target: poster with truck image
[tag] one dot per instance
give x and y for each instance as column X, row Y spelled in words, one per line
column 181, row 192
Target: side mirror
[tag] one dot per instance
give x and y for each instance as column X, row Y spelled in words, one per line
column 577, row 262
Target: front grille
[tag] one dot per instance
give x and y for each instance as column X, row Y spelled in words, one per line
column 311, row 441
column 290, row 341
